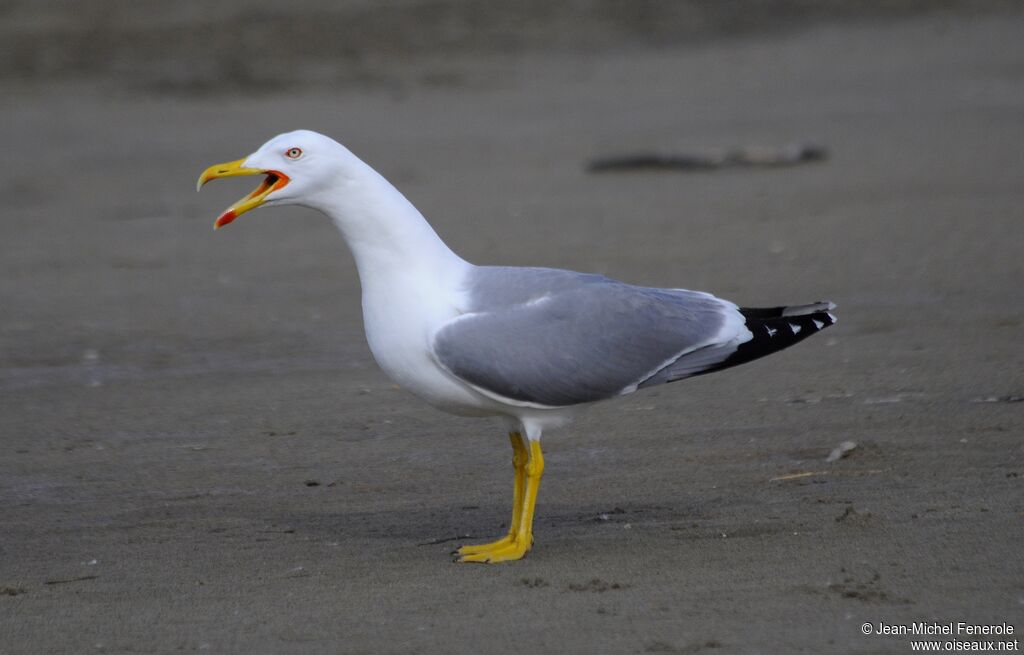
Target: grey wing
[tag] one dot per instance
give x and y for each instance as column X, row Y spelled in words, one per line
column 555, row 338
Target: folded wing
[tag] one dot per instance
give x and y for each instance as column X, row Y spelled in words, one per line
column 553, row 338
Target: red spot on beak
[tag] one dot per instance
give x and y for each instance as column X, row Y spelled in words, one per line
column 224, row 219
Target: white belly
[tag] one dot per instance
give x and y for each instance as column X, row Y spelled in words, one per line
column 400, row 325
column 399, row 328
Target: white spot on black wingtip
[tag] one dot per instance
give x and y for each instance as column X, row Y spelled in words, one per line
column 832, row 316
column 795, row 329
column 818, row 324
column 771, row 331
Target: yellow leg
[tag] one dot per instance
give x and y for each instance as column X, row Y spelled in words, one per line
column 523, row 537
column 520, row 455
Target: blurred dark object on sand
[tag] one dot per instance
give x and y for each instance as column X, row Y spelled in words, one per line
column 789, row 155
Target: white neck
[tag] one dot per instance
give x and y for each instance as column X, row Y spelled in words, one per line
column 387, row 235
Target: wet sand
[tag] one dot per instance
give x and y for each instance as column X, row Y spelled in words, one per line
column 199, row 453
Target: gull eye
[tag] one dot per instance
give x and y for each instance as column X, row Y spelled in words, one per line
column 293, row 153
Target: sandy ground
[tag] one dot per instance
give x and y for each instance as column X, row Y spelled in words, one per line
column 199, row 454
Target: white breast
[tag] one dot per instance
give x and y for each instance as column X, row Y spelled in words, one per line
column 400, row 318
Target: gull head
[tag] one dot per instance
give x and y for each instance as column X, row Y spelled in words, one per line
column 297, row 166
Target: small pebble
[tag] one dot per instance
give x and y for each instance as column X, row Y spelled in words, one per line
column 841, row 451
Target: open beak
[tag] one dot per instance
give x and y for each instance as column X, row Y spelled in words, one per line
column 275, row 180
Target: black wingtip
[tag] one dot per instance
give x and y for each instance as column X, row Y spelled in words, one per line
column 774, row 328
column 788, row 310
